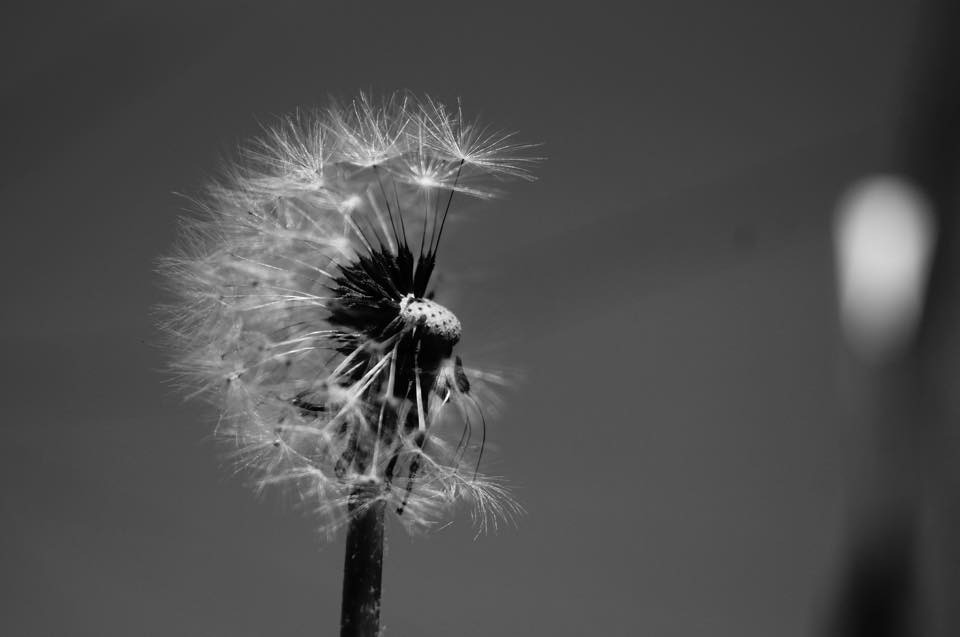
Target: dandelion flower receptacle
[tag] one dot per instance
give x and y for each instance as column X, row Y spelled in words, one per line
column 305, row 312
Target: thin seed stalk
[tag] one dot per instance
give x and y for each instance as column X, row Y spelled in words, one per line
column 363, row 567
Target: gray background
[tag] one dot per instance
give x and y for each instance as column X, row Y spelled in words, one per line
column 677, row 431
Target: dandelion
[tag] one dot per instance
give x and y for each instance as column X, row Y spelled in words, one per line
column 306, row 314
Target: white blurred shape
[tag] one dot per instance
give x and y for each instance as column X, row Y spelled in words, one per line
column 884, row 234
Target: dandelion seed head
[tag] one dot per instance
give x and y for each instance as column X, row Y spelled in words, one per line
column 431, row 317
column 304, row 310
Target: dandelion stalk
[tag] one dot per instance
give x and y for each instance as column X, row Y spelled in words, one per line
column 363, row 567
column 307, row 315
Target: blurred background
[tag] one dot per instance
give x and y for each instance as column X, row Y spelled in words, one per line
column 721, row 424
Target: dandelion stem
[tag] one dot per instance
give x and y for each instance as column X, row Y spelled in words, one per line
column 363, row 567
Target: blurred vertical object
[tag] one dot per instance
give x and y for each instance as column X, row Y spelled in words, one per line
column 884, row 236
column 898, row 269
